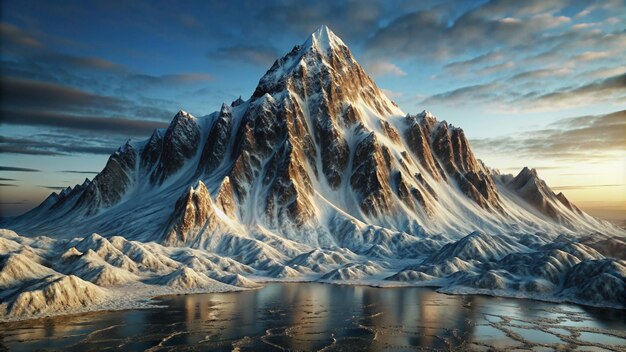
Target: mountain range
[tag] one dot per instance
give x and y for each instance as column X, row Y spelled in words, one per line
column 318, row 175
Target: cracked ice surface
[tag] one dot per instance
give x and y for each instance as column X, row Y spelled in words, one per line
column 314, row 316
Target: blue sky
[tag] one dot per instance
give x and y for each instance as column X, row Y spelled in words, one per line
column 531, row 82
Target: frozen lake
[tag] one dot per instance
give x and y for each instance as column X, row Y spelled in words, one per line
column 314, row 316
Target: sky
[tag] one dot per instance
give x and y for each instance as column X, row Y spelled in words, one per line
column 533, row 83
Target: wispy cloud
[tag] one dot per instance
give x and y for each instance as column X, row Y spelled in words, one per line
column 37, row 95
column 250, row 54
column 144, row 80
column 572, row 187
column 35, row 146
column 464, row 66
column 81, row 122
column 511, row 56
column 432, row 33
column 578, row 138
column 383, row 68
column 500, row 95
column 592, row 55
column 79, row 172
column 465, row 95
column 350, row 19
column 52, row 187
column 17, row 169
column 607, row 89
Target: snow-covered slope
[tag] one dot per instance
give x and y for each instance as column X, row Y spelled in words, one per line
column 561, row 270
column 45, row 276
column 318, row 171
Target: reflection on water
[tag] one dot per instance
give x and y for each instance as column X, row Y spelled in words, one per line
column 311, row 316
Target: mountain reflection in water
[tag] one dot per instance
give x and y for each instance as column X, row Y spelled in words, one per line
column 313, row 316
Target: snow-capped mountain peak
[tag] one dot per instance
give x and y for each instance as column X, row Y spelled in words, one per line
column 318, row 149
column 323, row 40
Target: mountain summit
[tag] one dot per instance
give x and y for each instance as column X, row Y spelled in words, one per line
column 319, row 156
column 318, row 175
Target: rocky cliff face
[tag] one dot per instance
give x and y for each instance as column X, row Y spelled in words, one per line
column 180, row 143
column 111, row 184
column 317, row 155
column 196, row 212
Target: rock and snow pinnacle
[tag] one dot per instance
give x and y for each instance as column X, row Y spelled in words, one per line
column 324, row 40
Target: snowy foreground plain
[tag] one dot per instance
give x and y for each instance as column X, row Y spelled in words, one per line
column 42, row 276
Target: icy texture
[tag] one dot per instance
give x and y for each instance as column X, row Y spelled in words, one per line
column 564, row 270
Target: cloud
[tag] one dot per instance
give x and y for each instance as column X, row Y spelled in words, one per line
column 11, row 149
column 79, row 172
column 490, row 70
column 7, row 185
column 17, row 169
column 607, row 89
column 94, row 85
column 28, row 102
column 434, row 33
column 578, row 138
column 570, row 187
column 143, row 80
column 36, row 95
column 26, row 45
column 500, row 94
column 77, row 62
column 349, row 19
column 7, row 179
column 383, row 68
column 542, row 73
column 602, row 72
column 586, row 11
column 12, row 35
column 464, row 66
column 31, row 146
column 53, row 187
column 465, row 95
column 120, row 126
column 250, row 54
column 592, row 55
column 509, row 56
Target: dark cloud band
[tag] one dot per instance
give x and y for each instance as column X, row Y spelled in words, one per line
column 80, row 122
column 17, row 169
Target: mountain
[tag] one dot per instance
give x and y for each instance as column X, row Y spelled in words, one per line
column 316, row 151
column 317, row 160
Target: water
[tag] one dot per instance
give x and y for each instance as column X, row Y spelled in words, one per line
column 312, row 316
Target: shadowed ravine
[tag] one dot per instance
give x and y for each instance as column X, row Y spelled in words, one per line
column 312, row 316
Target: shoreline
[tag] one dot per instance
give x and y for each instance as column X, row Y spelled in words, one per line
column 149, row 301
